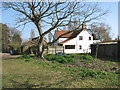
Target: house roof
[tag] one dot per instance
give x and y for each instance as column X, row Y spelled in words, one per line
column 58, row 33
column 72, row 36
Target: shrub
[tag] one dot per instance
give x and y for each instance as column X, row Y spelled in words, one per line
column 50, row 57
column 67, row 58
column 28, row 60
column 90, row 73
column 118, row 72
column 102, row 73
column 24, row 57
column 87, row 57
column 60, row 59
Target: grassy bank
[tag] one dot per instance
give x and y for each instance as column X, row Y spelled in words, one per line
column 31, row 72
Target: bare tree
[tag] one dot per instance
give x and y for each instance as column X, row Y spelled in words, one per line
column 32, row 34
column 5, row 37
column 64, row 28
column 100, row 31
column 50, row 36
column 74, row 24
column 55, row 15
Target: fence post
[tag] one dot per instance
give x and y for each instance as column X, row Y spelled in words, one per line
column 55, row 49
column 96, row 51
column 118, row 52
column 63, row 49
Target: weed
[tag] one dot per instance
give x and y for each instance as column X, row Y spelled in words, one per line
column 60, row 59
column 24, row 57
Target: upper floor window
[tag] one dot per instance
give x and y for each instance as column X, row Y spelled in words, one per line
column 89, row 38
column 80, row 37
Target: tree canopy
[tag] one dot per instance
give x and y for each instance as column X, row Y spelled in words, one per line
column 10, row 38
column 5, row 37
column 100, row 31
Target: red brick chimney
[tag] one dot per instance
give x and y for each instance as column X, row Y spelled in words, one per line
column 83, row 26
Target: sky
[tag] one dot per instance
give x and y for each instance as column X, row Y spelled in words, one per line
column 119, row 19
column 112, row 18
column 9, row 17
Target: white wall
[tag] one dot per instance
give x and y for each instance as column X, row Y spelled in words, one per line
column 71, row 42
column 62, row 39
column 84, row 43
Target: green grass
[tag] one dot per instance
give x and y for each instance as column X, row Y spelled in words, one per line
column 31, row 72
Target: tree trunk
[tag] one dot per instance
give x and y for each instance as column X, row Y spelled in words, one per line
column 41, row 48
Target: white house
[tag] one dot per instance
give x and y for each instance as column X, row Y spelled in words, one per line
column 75, row 42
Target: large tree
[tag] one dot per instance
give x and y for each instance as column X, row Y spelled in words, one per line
column 5, row 37
column 100, row 31
column 55, row 15
column 15, row 40
column 10, row 38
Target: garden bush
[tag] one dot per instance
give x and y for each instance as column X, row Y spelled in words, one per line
column 25, row 57
column 88, row 73
column 28, row 60
column 67, row 58
column 60, row 59
column 87, row 57
column 50, row 57
column 91, row 73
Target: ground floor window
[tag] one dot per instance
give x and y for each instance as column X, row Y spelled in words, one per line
column 80, row 47
column 69, row 46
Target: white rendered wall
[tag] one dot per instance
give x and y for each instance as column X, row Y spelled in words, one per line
column 85, row 43
column 62, row 39
column 71, row 42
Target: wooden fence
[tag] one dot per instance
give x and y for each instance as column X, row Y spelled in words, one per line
column 54, row 49
column 106, row 50
column 48, row 50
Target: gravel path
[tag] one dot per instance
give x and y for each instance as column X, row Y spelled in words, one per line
column 8, row 56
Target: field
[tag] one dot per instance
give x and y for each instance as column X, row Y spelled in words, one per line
column 32, row 72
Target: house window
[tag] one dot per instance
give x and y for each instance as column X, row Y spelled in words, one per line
column 69, row 46
column 80, row 37
column 89, row 38
column 80, row 47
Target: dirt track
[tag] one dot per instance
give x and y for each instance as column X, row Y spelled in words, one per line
column 8, row 56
